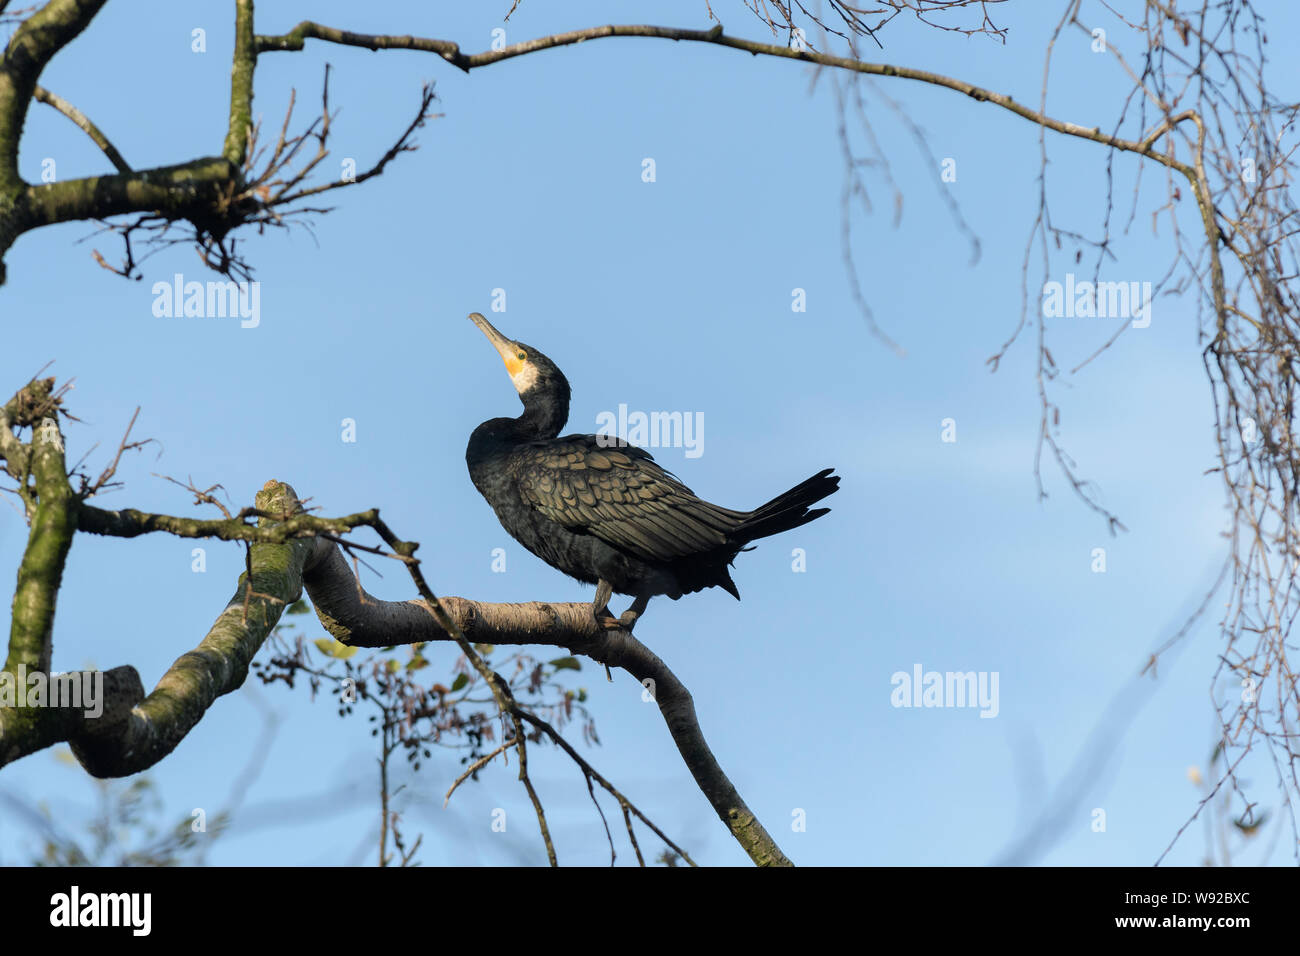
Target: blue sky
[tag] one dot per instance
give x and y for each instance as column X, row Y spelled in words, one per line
column 671, row 295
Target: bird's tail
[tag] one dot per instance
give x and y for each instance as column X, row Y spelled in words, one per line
column 789, row 510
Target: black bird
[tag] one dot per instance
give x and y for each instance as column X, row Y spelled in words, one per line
column 601, row 510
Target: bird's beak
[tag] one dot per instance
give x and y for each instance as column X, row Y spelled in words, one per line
column 507, row 349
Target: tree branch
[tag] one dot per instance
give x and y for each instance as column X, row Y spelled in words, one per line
column 130, row 523
column 136, row 731
column 145, row 729
column 356, row 618
column 592, row 774
column 197, row 190
column 241, row 85
column 53, row 524
column 293, row 41
column 43, row 95
column 23, row 207
column 31, row 47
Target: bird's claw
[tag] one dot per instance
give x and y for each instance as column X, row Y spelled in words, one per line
column 624, row 622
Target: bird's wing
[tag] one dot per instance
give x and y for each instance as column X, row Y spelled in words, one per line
column 621, row 496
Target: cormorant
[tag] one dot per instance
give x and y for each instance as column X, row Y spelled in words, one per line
column 601, row 510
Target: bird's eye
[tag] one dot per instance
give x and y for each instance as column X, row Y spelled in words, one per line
column 522, row 357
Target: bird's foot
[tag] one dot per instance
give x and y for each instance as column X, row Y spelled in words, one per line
column 600, row 606
column 624, row 622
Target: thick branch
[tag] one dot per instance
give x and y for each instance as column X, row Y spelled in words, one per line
column 241, row 85
column 354, row 617
column 286, row 556
column 28, row 406
column 192, row 190
column 183, row 190
column 32, row 46
column 136, row 731
column 53, row 525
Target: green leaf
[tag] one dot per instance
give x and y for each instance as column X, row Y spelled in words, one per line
column 460, row 681
column 485, row 649
column 1249, row 828
column 332, row 648
column 416, row 663
column 393, row 666
column 566, row 663
column 298, row 607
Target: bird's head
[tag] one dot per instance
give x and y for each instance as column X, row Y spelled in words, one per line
column 530, row 370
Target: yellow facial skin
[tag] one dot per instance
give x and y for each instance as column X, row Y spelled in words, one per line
column 516, row 359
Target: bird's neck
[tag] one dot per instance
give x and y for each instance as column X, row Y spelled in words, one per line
column 540, row 421
column 544, row 415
